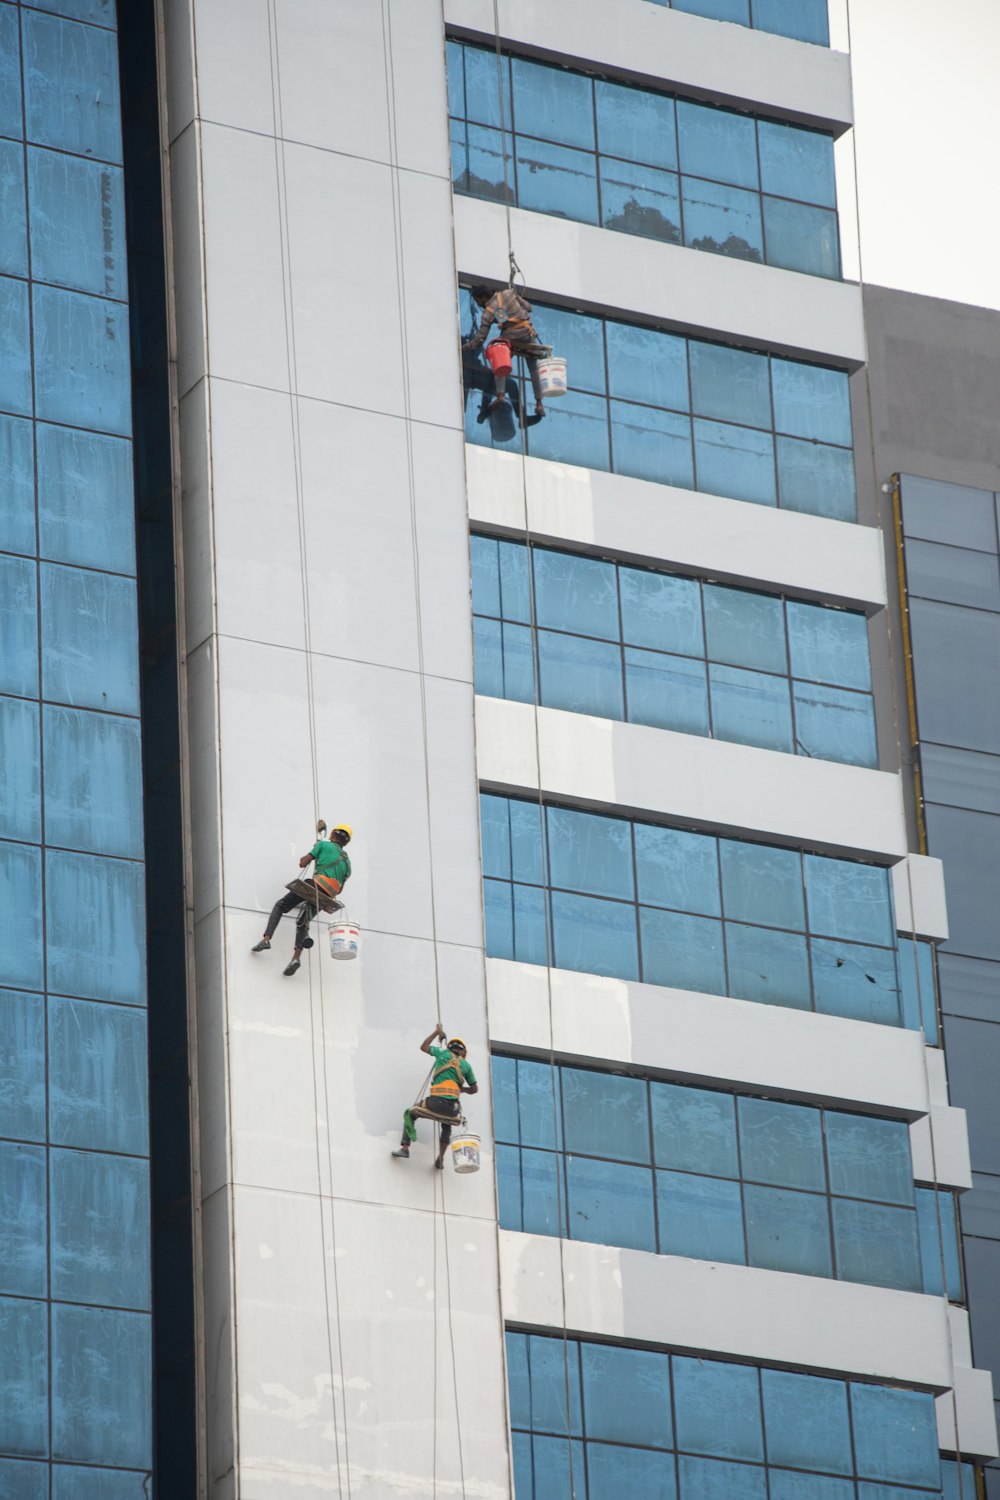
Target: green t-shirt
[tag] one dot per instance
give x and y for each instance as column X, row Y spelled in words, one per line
column 330, row 860
column 460, row 1072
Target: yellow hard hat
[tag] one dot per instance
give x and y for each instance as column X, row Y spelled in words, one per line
column 456, row 1041
column 344, row 828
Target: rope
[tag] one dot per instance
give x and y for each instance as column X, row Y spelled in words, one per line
column 890, row 633
column 331, row 1312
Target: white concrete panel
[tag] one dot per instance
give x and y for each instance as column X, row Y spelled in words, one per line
column 454, row 803
column 430, row 300
column 442, row 534
column 766, row 1316
column 661, row 46
column 944, row 1158
column 178, row 65
column 258, row 575
column 644, row 522
column 971, row 1401
column 734, row 788
column 708, row 1038
column 417, row 56
column 197, row 522
column 918, row 891
column 234, row 64
column 245, row 284
column 220, row 1349
column 203, row 776
column 213, row 1083
column 623, row 275
column 187, row 250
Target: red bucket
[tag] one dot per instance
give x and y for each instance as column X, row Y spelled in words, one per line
column 498, row 356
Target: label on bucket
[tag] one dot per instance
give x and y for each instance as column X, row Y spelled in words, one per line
column 344, row 940
column 465, row 1153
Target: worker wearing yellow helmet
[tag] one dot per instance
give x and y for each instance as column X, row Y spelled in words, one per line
column 331, row 872
column 451, row 1077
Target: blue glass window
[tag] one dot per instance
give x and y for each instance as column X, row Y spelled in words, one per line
column 82, row 371
column 636, row 124
column 71, row 87
column 609, row 1203
column 15, row 351
column 97, row 1076
column 806, row 20
column 18, row 627
column 939, row 1252
column 96, row 926
column 876, row 1244
column 21, row 783
column 782, row 1144
column 788, row 1231
column 806, row 1421
column 10, row 73
column 17, row 486
column 24, row 1363
column 13, row 234
column 20, row 1480
column 101, row 1386
column 93, row 780
column 22, row 1220
column 700, row 1217
column 86, row 511
column 626, row 1395
column 694, row 1129
column 22, row 1066
column 717, row 1408
column 20, row 934
column 100, row 1229
column 70, row 1482
column 77, row 214
column 89, row 639
column 895, row 1435
column 870, row 1158
column 605, row 1115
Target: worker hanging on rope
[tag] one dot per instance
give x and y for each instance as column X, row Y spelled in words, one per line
column 333, row 869
column 512, row 314
column 451, row 1076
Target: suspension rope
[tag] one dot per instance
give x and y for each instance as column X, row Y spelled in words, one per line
column 897, row 732
column 329, row 1255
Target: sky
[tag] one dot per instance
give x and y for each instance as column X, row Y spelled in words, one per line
column 927, row 113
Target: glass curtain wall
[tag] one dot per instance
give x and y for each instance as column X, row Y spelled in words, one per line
column 75, row 1343
column 805, row 20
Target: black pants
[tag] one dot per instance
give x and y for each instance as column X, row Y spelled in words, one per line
column 281, row 909
column 447, row 1111
column 526, row 344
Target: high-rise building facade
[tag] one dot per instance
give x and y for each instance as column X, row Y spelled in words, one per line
column 621, row 691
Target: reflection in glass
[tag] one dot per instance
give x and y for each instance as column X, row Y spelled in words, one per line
column 722, row 220
column 638, row 199
column 635, row 124
column 556, row 180
column 750, row 708
column 735, row 461
column 651, row 444
column 17, row 492
column 594, row 936
column 666, row 692
column 781, row 1144
column 101, row 1385
column 787, row 1231
column 731, row 384
column 552, row 102
column 801, row 238
column 718, row 144
column 876, row 1245
column 815, row 479
column 22, row 1066
column 701, row 1217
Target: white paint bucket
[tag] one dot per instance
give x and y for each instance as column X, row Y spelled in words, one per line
column 465, row 1152
column 552, row 376
column 345, row 939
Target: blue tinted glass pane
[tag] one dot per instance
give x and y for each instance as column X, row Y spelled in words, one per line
column 786, row 1486
column 96, row 927
column 683, row 952
column 559, row 1467
column 539, row 1194
column 626, row 1395
column 869, row 1158
column 750, row 708
column 531, row 943
column 89, row 639
column 505, row 1123
column 71, row 87
column 98, row 1069
column 485, row 562
column 580, row 341
column 553, row 1366
column 677, row 869
column 857, row 982
column 494, row 829
column 816, row 480
column 19, row 1480
column 455, row 60
column 958, row 1481
column 20, row 935
column 556, row 180
column 479, row 166
column 524, row 1483
column 20, row 784
column 666, row 692
column 735, row 461
column 694, row 1129
column 77, row 215
column 488, row 656
column 613, row 1471
column 651, row 444
column 605, row 1115
column 801, row 238
column 762, row 884
column 716, row 10
column 93, row 780
column 609, row 1204
column 636, row 124
column 877, row 1245
column 576, row 593
column 10, row 72
column 797, row 163
column 13, row 236
column 717, row 1408
column 916, row 974
column 72, row 1483
column 834, row 724
column 582, row 676
column 15, row 352
column 538, row 1104
column 594, row 936
column 732, row 384
column 788, row 1231
column 515, row 584
column 100, row 1229
column 848, row 900
column 526, row 841
column 101, row 1386
column 22, row 1066
column 85, row 501
column 574, row 432
column 781, row 1144
column 770, row 967
column 929, row 1203
column 806, row 1422
column 708, row 1479
column 18, row 627
column 829, row 645
column 715, row 143
column 811, row 402
column 22, row 1220
column 518, row 1387
column 517, row 662
column 700, row 1217
column 660, row 611
column 17, row 486
column 483, row 87
column 895, row 1435
column 647, row 366
column 24, row 1417
column 722, row 220
column 744, row 629
column 640, row 200
column 553, row 103
column 805, row 20
column 590, row 853
column 82, row 371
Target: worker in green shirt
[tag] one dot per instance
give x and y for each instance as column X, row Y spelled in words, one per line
column 332, row 870
column 451, row 1077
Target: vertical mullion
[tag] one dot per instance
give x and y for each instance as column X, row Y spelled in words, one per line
column 607, row 394
column 597, row 153
column 740, row 1178
column 635, row 887
column 621, row 650
column 807, row 932
column 687, row 358
column 722, row 908
column 835, row 1269
column 705, row 657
